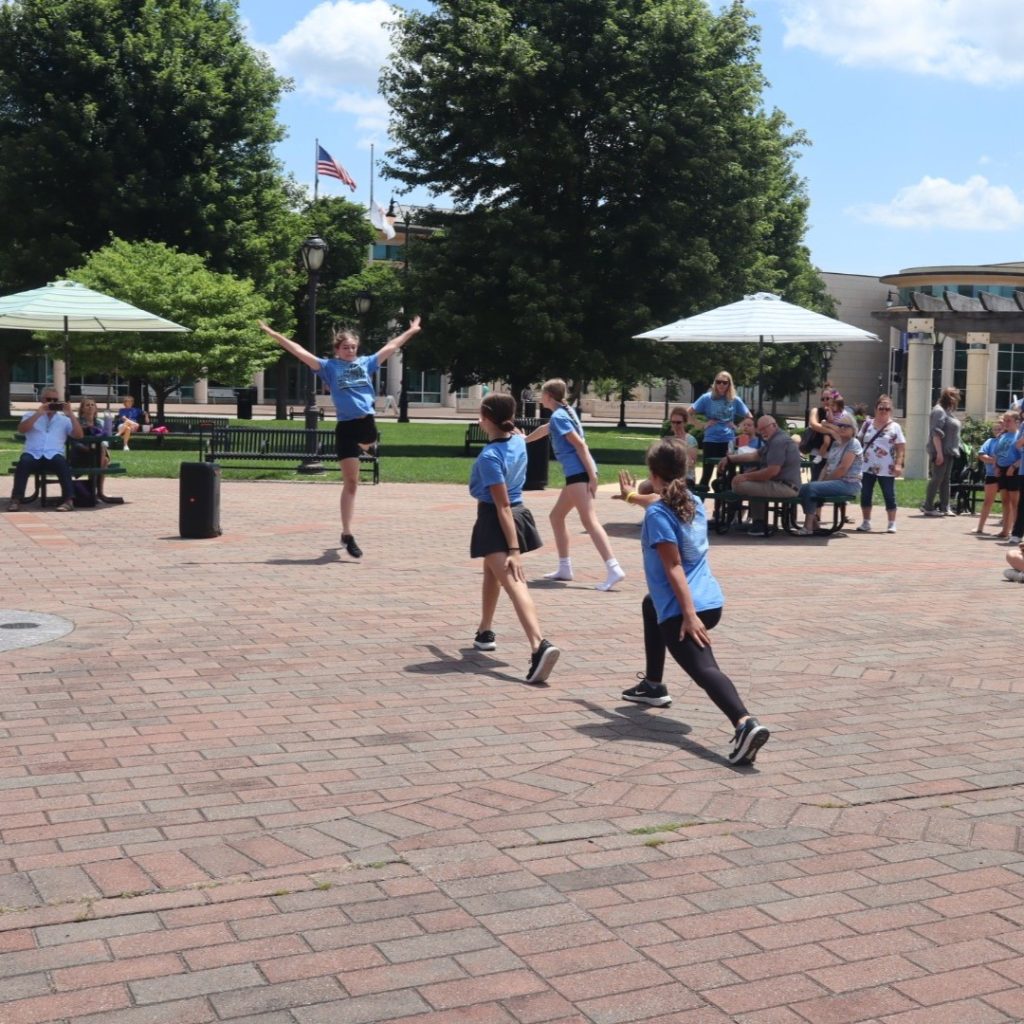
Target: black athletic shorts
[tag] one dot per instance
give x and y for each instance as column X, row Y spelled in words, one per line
column 349, row 435
column 578, row 478
column 488, row 536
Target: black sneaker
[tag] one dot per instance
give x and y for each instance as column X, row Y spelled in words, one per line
column 748, row 739
column 484, row 641
column 542, row 661
column 351, row 546
column 758, row 528
column 646, row 692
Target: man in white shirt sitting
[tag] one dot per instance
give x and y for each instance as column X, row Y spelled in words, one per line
column 46, row 432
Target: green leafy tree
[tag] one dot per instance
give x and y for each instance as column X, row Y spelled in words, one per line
column 613, row 168
column 221, row 311
column 139, row 120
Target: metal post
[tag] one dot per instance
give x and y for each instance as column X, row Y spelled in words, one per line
column 311, row 463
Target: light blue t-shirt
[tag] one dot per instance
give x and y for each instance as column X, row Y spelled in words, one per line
column 726, row 409
column 1019, row 451
column 989, row 448
column 661, row 524
column 501, row 462
column 838, row 452
column 563, row 422
column 351, row 385
column 1005, row 453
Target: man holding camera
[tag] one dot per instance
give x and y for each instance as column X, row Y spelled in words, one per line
column 46, row 432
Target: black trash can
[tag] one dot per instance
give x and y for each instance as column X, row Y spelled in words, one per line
column 538, row 453
column 246, row 398
column 530, row 410
column 199, row 500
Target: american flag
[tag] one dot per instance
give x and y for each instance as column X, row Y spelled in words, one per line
column 330, row 168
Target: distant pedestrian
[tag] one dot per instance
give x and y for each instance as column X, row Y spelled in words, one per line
column 504, row 531
column 570, row 445
column 943, row 445
column 884, row 451
column 684, row 602
column 350, row 379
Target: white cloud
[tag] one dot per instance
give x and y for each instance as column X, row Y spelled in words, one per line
column 976, row 205
column 338, row 47
column 976, row 41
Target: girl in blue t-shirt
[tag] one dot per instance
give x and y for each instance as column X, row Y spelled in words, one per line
column 504, row 530
column 349, row 376
column 684, row 600
column 720, row 408
column 987, row 456
column 570, row 447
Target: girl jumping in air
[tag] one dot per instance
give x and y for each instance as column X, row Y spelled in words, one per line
column 350, row 378
column 504, row 531
column 571, row 450
column 684, row 601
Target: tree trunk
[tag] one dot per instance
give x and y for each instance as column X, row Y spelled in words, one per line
column 5, row 387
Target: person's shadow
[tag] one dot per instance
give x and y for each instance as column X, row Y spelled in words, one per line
column 470, row 661
column 329, row 557
column 635, row 723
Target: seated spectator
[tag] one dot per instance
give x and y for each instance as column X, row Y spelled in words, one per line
column 777, row 472
column 128, row 421
column 82, row 454
column 46, row 431
column 1015, row 559
column 678, row 421
column 841, row 477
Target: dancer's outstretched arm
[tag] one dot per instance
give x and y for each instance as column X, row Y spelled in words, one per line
column 291, row 347
column 397, row 342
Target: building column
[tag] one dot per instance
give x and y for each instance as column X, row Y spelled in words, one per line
column 976, row 399
column 918, row 403
column 60, row 376
column 201, row 392
column 395, row 367
column 259, row 382
column 449, row 399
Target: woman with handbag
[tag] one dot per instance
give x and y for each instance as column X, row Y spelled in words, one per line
column 884, row 451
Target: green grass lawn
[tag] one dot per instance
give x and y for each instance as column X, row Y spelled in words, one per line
column 411, row 453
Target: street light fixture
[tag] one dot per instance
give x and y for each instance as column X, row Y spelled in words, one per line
column 313, row 251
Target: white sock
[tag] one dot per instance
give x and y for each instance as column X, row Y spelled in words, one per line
column 563, row 572
column 615, row 574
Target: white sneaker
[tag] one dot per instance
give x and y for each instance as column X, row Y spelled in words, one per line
column 891, row 528
column 1013, row 539
column 864, row 527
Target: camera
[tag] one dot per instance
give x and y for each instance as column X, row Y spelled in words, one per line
column 56, row 406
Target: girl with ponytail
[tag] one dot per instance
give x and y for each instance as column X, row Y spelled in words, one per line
column 684, row 601
column 570, row 445
column 504, row 530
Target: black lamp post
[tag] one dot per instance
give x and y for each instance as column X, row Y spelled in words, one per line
column 363, row 302
column 313, row 251
column 403, row 393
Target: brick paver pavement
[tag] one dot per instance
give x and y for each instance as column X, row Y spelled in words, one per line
column 261, row 782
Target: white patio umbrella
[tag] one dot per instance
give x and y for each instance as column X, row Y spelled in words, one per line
column 763, row 319
column 70, row 306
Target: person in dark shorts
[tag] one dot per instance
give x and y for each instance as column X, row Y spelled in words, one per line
column 570, row 447
column 350, row 379
column 504, row 531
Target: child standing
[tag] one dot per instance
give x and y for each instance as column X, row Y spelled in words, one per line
column 571, row 450
column 504, row 530
column 684, row 601
column 986, row 455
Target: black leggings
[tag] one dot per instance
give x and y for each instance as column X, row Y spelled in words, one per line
column 713, row 452
column 697, row 662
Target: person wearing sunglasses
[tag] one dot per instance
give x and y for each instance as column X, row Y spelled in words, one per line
column 350, row 379
column 884, row 451
column 718, row 409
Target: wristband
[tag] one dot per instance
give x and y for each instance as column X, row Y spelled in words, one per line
column 631, row 496
column 510, row 550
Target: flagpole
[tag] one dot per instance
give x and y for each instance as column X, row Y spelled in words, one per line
column 316, row 169
column 371, row 175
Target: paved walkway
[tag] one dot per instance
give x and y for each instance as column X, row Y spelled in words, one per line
column 260, row 782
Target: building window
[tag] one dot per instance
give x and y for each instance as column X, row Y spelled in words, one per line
column 1009, row 375
column 425, row 387
column 960, row 367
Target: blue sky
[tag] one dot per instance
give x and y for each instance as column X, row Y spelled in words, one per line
column 912, row 108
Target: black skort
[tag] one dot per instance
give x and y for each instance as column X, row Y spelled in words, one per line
column 578, row 478
column 351, row 435
column 488, row 536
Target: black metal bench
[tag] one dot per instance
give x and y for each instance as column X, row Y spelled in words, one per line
column 41, row 478
column 781, row 512
column 280, row 444
column 192, row 424
column 476, row 437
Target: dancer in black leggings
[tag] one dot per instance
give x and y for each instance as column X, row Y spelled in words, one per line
column 684, row 601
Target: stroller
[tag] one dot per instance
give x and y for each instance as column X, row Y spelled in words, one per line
column 966, row 479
